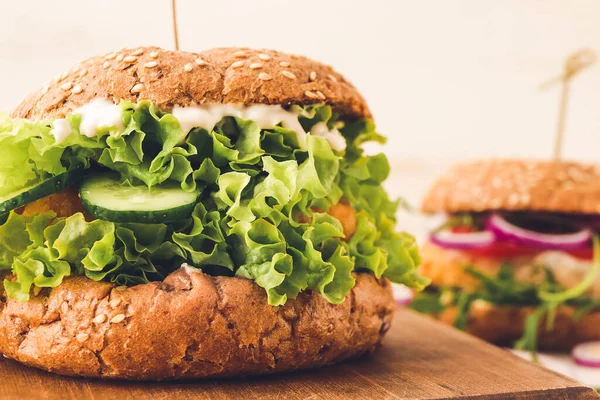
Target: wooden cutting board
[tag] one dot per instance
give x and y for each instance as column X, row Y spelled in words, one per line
column 420, row 359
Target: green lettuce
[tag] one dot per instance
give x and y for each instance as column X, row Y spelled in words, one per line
column 261, row 215
column 505, row 290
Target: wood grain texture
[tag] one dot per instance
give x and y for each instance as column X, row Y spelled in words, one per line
column 420, row 359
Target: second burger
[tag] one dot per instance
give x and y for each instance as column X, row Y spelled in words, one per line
column 516, row 258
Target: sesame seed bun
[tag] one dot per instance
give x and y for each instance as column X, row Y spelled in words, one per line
column 204, row 327
column 503, row 325
column 169, row 78
column 516, row 185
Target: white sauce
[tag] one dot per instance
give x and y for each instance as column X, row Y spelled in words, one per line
column 99, row 113
column 266, row 116
column 567, row 270
column 334, row 137
column 61, row 129
column 204, row 117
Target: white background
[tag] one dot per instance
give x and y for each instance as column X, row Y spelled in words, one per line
column 446, row 79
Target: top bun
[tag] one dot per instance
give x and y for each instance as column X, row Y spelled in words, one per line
column 516, row 185
column 177, row 78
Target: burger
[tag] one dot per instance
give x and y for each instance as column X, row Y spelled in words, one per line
column 170, row 215
column 515, row 258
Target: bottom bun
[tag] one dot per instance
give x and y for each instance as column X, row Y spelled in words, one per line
column 191, row 325
column 503, row 325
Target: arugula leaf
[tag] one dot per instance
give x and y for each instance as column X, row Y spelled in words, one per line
column 504, row 289
column 574, row 292
column 428, row 302
column 463, row 305
column 530, row 333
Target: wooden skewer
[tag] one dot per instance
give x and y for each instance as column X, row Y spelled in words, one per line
column 175, row 29
column 575, row 63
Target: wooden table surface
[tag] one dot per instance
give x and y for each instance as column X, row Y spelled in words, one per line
column 420, row 359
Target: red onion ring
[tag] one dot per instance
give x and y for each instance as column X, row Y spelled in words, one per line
column 569, row 241
column 587, row 354
column 463, row 241
column 402, row 294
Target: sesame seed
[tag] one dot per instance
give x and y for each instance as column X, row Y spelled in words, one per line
column 151, row 64
column 312, row 76
column 100, row 318
column 63, row 76
column 66, row 86
column 83, row 72
column 288, row 74
column 495, row 203
column 64, row 306
column 237, row 64
column 115, row 302
column 121, row 288
column 256, row 65
column 45, row 89
column 130, row 59
column 321, row 95
column 120, row 57
column 188, row 67
column 153, row 54
column 294, row 56
column 333, row 78
column 138, row 52
column 75, row 69
column 239, row 54
column 111, row 56
column 200, row 61
column 136, row 89
column 513, row 199
column 117, row 318
column 106, row 64
column 311, row 95
column 264, row 57
column 264, row 76
column 82, row 337
column 76, row 89
column 284, row 64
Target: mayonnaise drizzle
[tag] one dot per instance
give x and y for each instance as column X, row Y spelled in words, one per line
column 102, row 113
column 99, row 113
column 568, row 271
column 265, row 116
column 61, row 129
column 334, row 137
column 204, row 117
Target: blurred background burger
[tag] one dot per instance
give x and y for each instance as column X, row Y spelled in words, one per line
column 515, row 259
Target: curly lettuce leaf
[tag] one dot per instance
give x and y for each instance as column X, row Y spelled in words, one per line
column 261, row 215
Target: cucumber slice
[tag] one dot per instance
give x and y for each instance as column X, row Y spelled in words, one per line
column 105, row 197
column 35, row 192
